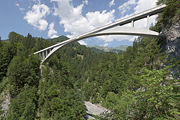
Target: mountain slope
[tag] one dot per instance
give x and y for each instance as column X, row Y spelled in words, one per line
column 121, row 48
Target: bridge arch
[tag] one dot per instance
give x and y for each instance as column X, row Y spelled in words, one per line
column 110, row 29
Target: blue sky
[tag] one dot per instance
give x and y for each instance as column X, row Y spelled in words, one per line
column 53, row 18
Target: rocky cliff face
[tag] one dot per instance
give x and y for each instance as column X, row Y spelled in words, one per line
column 172, row 44
column 5, row 102
column 172, row 41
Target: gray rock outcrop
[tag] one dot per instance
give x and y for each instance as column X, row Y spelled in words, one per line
column 172, row 44
column 172, row 41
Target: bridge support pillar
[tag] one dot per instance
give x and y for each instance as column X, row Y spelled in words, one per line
column 43, row 55
column 46, row 53
column 147, row 22
column 132, row 23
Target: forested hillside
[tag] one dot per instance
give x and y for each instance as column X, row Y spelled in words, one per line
column 138, row 84
column 121, row 48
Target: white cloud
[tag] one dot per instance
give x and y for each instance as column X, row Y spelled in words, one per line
column 36, row 16
column 143, row 5
column 82, row 42
column 133, row 38
column 97, row 18
column 85, row 2
column 75, row 23
column 71, row 17
column 126, row 6
column 110, row 38
column 111, row 3
column 42, row 24
column 20, row 8
column 17, row 4
column 37, row 1
column 52, row 33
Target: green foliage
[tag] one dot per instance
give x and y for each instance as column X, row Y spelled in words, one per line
column 15, row 38
column 24, row 107
column 155, row 96
column 22, row 73
column 57, row 98
column 6, row 55
column 134, row 84
column 29, row 112
column 171, row 13
column 137, row 86
column 60, row 39
column 65, row 108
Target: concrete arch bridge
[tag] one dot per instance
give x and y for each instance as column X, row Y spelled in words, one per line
column 114, row 28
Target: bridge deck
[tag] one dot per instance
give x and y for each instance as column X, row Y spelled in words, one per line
column 111, row 28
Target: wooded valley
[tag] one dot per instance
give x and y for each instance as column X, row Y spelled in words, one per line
column 141, row 83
